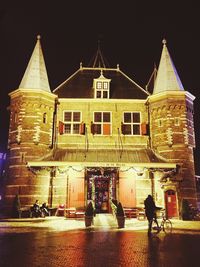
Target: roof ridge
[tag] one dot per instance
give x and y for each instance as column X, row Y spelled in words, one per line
column 134, row 82
column 66, row 80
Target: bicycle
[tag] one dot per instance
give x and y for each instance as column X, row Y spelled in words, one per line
column 165, row 225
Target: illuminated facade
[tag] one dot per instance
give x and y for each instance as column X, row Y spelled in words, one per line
column 100, row 136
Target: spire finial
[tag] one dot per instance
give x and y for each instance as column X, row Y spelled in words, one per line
column 38, row 37
column 164, row 41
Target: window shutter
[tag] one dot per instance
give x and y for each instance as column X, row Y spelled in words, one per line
column 82, row 128
column 106, row 129
column 122, row 128
column 61, row 127
column 92, row 128
column 144, row 128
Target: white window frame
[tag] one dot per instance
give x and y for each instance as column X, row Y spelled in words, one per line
column 71, row 122
column 102, row 86
column 99, row 85
column 133, row 123
column 102, row 122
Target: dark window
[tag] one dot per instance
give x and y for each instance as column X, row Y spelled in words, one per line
column 131, row 123
column 72, row 120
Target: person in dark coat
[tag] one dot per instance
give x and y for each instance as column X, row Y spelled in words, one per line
column 35, row 209
column 45, row 209
column 150, row 211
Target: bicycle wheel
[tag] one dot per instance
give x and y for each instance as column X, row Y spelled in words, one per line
column 155, row 229
column 167, row 226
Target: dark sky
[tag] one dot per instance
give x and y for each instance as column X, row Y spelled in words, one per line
column 130, row 33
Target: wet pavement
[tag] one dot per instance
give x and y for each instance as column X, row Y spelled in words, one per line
column 88, row 248
column 59, row 242
column 102, row 221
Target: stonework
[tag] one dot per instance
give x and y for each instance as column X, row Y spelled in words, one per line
column 119, row 143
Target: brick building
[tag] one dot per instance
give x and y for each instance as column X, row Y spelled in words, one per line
column 100, row 136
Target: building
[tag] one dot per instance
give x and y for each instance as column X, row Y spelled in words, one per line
column 100, row 136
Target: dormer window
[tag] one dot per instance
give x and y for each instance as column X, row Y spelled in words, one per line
column 101, row 87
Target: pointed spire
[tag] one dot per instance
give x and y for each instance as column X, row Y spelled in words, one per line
column 167, row 76
column 35, row 76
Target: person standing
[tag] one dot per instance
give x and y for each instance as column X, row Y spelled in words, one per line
column 150, row 211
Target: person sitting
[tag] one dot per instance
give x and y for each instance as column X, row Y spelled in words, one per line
column 44, row 209
column 35, row 209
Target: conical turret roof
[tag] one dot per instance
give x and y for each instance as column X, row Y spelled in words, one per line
column 35, row 76
column 167, row 77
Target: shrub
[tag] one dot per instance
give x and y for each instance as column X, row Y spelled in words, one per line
column 16, row 207
column 89, row 210
column 120, row 210
column 185, row 212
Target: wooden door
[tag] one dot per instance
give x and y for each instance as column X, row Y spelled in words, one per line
column 171, row 203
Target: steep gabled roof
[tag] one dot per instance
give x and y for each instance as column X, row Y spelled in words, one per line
column 167, row 76
column 80, row 84
column 35, row 76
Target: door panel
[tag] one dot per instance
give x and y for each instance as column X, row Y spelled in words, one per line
column 127, row 195
column 171, row 204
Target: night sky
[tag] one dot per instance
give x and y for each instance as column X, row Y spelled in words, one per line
column 130, row 35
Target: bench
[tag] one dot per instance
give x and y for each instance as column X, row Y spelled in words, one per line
column 80, row 214
column 130, row 212
column 75, row 213
column 24, row 212
column 136, row 212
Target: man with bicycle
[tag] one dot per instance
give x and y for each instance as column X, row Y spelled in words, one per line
column 150, row 211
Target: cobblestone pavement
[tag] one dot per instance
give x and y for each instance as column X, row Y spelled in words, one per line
column 60, row 242
column 105, row 221
column 97, row 248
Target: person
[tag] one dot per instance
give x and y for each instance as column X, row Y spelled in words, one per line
column 36, row 212
column 44, row 209
column 150, row 211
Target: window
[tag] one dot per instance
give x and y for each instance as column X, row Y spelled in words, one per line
column 23, row 156
column 176, row 121
column 103, row 93
column 131, row 123
column 102, row 123
column 105, row 85
column 101, row 87
column 15, row 117
column 160, row 123
column 45, row 117
column 72, row 120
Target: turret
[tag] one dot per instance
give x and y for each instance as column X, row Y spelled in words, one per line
column 30, row 130
column 171, row 125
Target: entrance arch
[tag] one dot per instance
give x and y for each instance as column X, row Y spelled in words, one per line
column 101, row 187
column 171, row 204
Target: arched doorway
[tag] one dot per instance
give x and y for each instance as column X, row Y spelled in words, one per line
column 171, row 204
column 101, row 187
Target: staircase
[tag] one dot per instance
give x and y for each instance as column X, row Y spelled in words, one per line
column 103, row 220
